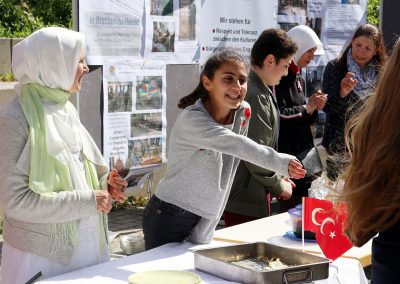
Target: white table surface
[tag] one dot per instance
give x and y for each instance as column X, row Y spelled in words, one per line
column 272, row 229
column 179, row 256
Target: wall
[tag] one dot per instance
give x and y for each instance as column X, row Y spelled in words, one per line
column 6, row 45
column 389, row 22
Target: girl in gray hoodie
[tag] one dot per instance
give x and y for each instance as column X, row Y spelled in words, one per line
column 206, row 144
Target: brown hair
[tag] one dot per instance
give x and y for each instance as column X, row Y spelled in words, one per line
column 272, row 41
column 374, row 33
column 212, row 65
column 372, row 178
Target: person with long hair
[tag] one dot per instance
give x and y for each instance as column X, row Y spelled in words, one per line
column 372, row 177
column 297, row 115
column 347, row 81
column 54, row 179
column 254, row 186
column 206, row 144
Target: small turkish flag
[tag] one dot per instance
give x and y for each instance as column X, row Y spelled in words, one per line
column 326, row 221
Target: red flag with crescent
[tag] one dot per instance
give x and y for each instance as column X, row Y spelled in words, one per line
column 326, row 221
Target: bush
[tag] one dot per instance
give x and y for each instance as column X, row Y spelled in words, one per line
column 373, row 12
column 7, row 77
column 17, row 20
column 21, row 18
column 130, row 202
column 53, row 12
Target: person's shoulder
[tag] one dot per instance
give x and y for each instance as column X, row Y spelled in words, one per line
column 331, row 68
column 244, row 105
column 334, row 63
column 287, row 81
column 192, row 112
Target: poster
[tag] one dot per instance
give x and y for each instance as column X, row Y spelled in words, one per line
column 112, row 29
column 134, row 116
column 233, row 24
column 342, row 18
column 171, row 31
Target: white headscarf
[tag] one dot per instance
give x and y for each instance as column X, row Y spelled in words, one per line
column 305, row 38
column 45, row 64
column 48, row 57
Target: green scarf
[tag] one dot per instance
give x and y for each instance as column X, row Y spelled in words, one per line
column 47, row 174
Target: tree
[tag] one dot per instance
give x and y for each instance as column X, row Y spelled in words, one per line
column 16, row 19
column 373, row 12
column 53, row 12
column 21, row 18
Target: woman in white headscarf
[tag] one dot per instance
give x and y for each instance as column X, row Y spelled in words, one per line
column 297, row 115
column 54, row 179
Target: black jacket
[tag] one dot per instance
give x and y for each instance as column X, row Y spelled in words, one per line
column 295, row 133
column 338, row 110
column 386, row 256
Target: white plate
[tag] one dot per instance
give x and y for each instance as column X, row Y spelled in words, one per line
column 164, row 277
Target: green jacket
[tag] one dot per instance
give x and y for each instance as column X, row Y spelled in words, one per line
column 252, row 183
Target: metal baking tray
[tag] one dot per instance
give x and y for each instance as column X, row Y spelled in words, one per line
column 302, row 267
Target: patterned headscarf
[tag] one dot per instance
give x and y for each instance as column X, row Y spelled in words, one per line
column 366, row 77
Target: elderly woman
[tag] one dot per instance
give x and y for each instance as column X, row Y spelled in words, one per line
column 297, row 115
column 54, row 179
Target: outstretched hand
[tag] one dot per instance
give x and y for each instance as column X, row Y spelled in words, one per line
column 117, row 186
column 296, row 170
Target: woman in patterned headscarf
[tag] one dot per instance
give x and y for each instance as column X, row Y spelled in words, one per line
column 347, row 81
column 54, row 179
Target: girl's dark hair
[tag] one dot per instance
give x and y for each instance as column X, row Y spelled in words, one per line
column 272, row 41
column 373, row 33
column 211, row 66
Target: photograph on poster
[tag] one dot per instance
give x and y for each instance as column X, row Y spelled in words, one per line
column 148, row 92
column 146, row 124
column 163, row 37
column 119, row 96
column 314, row 79
column 353, row 2
column 315, row 24
column 161, row 7
column 287, row 26
column 144, row 152
column 292, row 7
column 187, row 20
column 117, row 163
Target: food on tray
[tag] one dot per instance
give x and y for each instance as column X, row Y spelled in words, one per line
column 261, row 263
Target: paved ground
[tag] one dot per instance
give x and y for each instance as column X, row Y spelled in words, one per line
column 125, row 222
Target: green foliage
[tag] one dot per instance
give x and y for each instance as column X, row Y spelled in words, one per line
column 7, row 77
column 20, row 18
column 130, row 202
column 53, row 12
column 373, row 12
column 16, row 19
